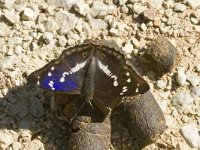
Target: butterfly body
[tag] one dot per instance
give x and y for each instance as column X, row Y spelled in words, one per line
column 97, row 72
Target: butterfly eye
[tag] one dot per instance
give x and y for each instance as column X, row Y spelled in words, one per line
column 84, row 54
column 102, row 56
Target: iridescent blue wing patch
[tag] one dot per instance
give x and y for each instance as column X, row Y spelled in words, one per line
column 65, row 74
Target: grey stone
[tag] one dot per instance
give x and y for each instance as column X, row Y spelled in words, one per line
column 122, row 2
column 6, row 138
column 66, row 21
column 81, row 7
column 51, row 25
column 26, row 135
column 190, row 133
column 149, row 14
column 193, row 3
column 36, row 107
column 124, row 9
column 196, row 90
column 193, row 79
column 180, row 7
column 48, row 37
column 156, row 3
column 16, row 146
column 7, row 62
column 143, row 27
column 28, row 14
column 18, row 50
column 198, row 67
column 7, row 4
column 98, row 24
column 128, row 48
column 4, row 30
column 12, row 17
column 161, row 84
column 194, row 20
column 113, row 32
column 62, row 41
column 62, row 3
column 14, row 41
column 181, row 76
column 2, row 46
column 98, row 7
column 182, row 98
column 36, row 145
column 135, row 42
column 170, row 122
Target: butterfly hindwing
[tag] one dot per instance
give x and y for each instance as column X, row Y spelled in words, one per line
column 65, row 74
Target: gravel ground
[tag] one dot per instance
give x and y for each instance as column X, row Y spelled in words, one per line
column 33, row 33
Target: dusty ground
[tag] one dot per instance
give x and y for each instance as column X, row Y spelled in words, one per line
column 33, row 33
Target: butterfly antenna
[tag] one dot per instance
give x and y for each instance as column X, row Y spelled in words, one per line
column 77, row 112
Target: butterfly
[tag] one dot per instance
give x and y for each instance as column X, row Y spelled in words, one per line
column 95, row 71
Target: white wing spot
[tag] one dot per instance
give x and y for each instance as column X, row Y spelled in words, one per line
column 128, row 80
column 124, row 90
column 121, row 93
column 136, row 90
column 104, row 68
column 108, row 72
column 128, row 74
column 124, row 87
column 51, row 85
column 65, row 73
column 52, row 68
column 78, row 67
column 138, row 84
column 38, row 82
column 49, row 74
column 62, row 79
column 73, row 70
column 38, row 77
column 115, row 83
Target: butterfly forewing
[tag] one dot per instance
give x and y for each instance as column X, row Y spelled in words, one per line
column 65, row 74
column 115, row 78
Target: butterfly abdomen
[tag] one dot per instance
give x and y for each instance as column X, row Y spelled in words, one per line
column 89, row 84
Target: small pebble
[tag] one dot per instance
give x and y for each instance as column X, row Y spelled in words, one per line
column 113, row 32
column 198, row 67
column 122, row 2
column 81, row 7
column 18, row 50
column 182, row 98
column 128, row 48
column 194, row 20
column 149, row 14
column 124, row 9
column 135, row 42
column 161, row 84
column 62, row 41
column 193, row 3
column 180, row 7
column 181, row 76
column 12, row 17
column 193, row 79
column 28, row 14
column 190, row 133
column 196, row 91
column 48, row 37
column 143, row 27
